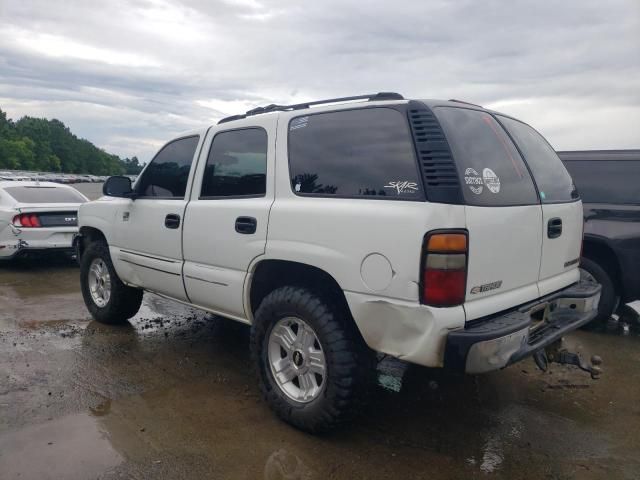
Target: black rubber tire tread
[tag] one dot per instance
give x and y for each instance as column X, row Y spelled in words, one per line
column 124, row 302
column 609, row 296
column 350, row 363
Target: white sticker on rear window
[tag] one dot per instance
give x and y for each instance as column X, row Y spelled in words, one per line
column 473, row 180
column 491, row 180
column 403, row 186
column 297, row 123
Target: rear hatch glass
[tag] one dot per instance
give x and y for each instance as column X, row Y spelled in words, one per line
column 45, row 195
column 553, row 180
column 491, row 170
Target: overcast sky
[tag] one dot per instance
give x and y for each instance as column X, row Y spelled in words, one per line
column 128, row 75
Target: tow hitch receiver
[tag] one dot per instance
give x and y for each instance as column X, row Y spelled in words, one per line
column 557, row 354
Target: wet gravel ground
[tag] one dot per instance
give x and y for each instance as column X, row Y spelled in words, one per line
column 173, row 396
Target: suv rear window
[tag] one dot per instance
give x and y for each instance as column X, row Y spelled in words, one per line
column 607, row 181
column 553, row 181
column 491, row 170
column 366, row 152
column 45, row 195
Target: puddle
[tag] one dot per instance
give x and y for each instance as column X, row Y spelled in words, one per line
column 71, row 447
column 284, row 465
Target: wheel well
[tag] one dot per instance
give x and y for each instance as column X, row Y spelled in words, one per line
column 605, row 257
column 89, row 235
column 272, row 274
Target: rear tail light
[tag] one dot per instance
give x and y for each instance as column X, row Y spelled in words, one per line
column 444, row 269
column 27, row 220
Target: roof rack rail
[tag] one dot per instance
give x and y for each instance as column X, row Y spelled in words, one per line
column 466, row 103
column 300, row 106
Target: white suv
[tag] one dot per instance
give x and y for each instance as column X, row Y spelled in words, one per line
column 437, row 232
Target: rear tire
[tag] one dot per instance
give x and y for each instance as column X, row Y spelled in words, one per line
column 108, row 299
column 609, row 298
column 323, row 400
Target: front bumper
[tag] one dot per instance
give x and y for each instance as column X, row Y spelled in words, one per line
column 495, row 342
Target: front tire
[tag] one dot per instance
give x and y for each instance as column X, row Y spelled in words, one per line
column 312, row 366
column 108, row 299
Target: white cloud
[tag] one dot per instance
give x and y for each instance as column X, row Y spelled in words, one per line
column 60, row 47
column 148, row 69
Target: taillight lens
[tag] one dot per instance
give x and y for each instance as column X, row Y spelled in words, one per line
column 444, row 271
column 27, row 220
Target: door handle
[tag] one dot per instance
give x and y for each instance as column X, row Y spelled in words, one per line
column 246, row 225
column 554, row 228
column 172, row 221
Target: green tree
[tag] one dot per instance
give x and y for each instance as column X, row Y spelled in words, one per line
column 49, row 145
column 37, row 129
column 7, row 128
column 132, row 166
column 54, row 164
column 17, row 154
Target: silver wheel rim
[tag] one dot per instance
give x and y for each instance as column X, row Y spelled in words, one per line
column 297, row 360
column 99, row 282
column 586, row 276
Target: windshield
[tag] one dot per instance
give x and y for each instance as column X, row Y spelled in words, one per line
column 553, row 181
column 490, row 168
column 45, row 195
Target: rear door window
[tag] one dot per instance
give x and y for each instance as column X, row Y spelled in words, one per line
column 607, row 181
column 363, row 153
column 168, row 173
column 491, row 170
column 236, row 165
column 554, row 182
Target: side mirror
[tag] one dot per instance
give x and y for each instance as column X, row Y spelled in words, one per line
column 118, row 186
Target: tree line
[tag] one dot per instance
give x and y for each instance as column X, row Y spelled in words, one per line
column 38, row 144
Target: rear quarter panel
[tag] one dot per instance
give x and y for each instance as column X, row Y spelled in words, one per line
column 368, row 246
column 8, row 239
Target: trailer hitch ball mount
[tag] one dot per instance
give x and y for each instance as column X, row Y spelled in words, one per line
column 556, row 353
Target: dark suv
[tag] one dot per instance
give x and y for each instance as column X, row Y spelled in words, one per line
column 609, row 184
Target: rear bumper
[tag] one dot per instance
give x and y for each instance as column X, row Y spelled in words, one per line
column 23, row 252
column 39, row 240
column 498, row 341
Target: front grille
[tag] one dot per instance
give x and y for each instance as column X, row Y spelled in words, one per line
column 434, row 156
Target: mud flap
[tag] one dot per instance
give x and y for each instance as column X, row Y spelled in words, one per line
column 555, row 353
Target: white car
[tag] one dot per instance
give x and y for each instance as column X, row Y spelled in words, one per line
column 37, row 217
column 437, row 232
